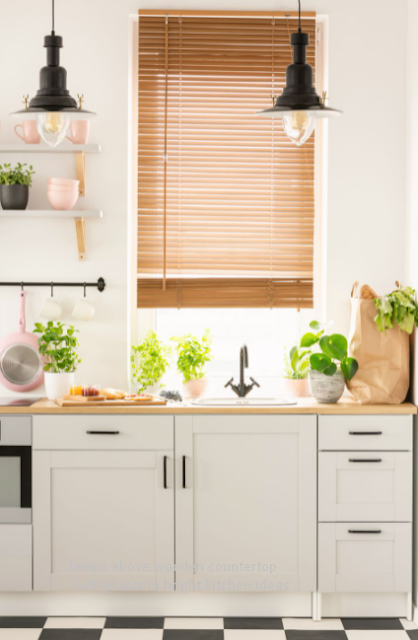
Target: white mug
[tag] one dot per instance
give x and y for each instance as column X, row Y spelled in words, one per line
column 51, row 310
column 83, row 310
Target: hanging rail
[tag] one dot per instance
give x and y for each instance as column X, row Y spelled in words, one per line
column 100, row 284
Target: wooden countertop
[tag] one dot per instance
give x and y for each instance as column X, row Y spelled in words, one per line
column 304, row 406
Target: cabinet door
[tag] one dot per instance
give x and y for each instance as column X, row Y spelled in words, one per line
column 359, row 486
column 365, row 558
column 103, row 520
column 246, row 503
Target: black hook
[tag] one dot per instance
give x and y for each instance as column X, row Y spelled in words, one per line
column 52, row 289
column 21, row 286
column 85, row 290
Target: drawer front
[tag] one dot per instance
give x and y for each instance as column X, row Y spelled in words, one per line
column 15, row 430
column 351, row 560
column 360, row 486
column 103, row 432
column 365, row 433
column 15, row 557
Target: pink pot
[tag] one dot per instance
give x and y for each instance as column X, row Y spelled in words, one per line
column 194, row 388
column 62, row 201
column 296, row 388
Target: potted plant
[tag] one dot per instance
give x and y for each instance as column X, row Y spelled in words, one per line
column 58, row 345
column 296, row 367
column 14, row 185
column 192, row 355
column 149, row 361
column 329, row 368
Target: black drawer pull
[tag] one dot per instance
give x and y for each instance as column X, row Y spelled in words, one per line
column 165, row 472
column 363, row 531
column 184, row 472
column 103, row 433
column 365, row 433
column 365, row 460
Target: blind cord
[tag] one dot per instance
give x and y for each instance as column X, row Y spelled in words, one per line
column 300, row 28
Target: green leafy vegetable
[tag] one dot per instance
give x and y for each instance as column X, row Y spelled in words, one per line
column 193, row 354
column 397, row 308
column 149, row 361
column 58, row 346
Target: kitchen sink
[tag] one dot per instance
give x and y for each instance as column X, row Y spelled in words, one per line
column 243, row 402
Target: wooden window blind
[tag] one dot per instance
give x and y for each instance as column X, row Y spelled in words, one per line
column 225, row 200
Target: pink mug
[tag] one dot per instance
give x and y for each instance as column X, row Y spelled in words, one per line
column 79, row 131
column 30, row 132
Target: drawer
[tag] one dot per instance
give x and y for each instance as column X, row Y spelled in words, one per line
column 15, row 557
column 365, row 486
column 365, row 558
column 365, row 433
column 16, row 430
column 103, row 432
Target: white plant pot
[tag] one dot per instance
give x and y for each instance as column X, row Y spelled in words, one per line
column 58, row 385
column 194, row 388
column 154, row 390
column 295, row 388
column 326, row 389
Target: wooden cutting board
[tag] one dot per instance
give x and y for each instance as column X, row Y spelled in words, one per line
column 81, row 402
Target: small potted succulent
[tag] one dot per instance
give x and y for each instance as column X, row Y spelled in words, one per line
column 14, row 186
column 296, row 367
column 330, row 367
column 58, row 345
column 149, row 362
column 192, row 356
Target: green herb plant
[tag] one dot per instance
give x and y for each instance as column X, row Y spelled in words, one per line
column 149, row 361
column 296, row 363
column 17, row 175
column 58, row 345
column 333, row 352
column 192, row 355
column 397, row 308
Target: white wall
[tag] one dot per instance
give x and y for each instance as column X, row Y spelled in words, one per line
column 366, row 183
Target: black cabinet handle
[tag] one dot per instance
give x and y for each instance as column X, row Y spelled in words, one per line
column 364, row 531
column 365, row 460
column 103, row 433
column 365, row 433
column 184, row 472
column 165, row 472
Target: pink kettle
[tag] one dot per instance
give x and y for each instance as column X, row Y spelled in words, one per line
column 21, row 365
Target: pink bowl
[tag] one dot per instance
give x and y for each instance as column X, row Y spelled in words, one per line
column 58, row 189
column 62, row 201
column 63, row 181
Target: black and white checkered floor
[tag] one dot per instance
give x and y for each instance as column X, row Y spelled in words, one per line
column 147, row 628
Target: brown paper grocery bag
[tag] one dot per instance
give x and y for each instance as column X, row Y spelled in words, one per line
column 383, row 374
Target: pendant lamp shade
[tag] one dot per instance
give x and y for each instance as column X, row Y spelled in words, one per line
column 299, row 105
column 53, row 107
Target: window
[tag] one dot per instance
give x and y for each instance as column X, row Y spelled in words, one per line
column 225, row 200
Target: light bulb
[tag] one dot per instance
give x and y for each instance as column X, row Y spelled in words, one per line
column 52, row 127
column 298, row 126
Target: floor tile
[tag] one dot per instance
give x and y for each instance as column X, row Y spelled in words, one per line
column 31, row 622
column 377, row 634
column 70, row 634
column 307, row 624
column 200, row 634
column 138, row 622
column 413, row 634
column 75, row 623
column 301, row 634
column 408, row 624
column 132, row 634
column 19, row 634
column 193, row 623
column 371, row 623
column 253, row 623
column 254, row 634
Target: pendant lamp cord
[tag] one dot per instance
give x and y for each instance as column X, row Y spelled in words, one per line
column 300, row 28
column 53, row 16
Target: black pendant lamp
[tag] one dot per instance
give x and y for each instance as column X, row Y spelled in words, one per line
column 53, row 107
column 299, row 105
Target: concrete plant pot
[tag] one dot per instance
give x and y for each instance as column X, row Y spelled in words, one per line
column 326, row 389
column 14, row 196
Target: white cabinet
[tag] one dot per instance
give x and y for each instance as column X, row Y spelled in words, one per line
column 15, row 557
column 246, row 502
column 104, row 520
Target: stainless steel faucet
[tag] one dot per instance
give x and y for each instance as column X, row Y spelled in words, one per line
column 242, row 389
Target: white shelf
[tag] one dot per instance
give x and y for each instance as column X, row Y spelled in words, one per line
column 41, row 148
column 48, row 213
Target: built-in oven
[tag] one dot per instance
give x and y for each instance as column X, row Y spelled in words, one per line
column 15, row 470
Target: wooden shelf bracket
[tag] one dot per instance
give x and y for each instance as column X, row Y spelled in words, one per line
column 80, row 163
column 80, row 229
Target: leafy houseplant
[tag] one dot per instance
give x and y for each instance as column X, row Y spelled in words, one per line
column 192, row 356
column 149, row 361
column 331, row 366
column 397, row 308
column 296, row 367
column 58, row 346
column 14, row 185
